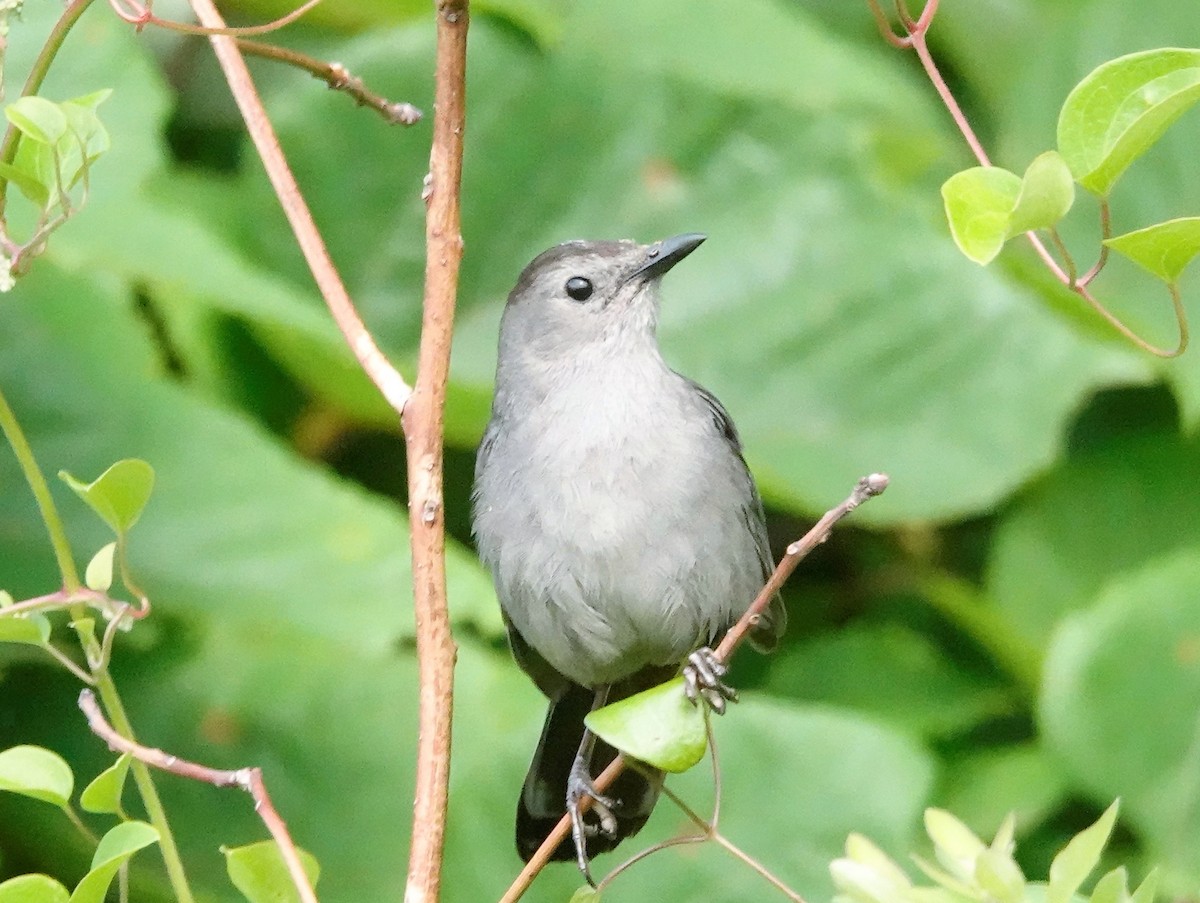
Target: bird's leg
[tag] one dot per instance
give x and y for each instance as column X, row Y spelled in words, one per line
column 579, row 785
column 702, row 680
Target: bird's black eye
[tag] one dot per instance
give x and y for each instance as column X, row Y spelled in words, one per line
column 579, row 288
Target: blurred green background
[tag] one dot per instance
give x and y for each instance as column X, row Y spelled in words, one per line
column 1015, row 625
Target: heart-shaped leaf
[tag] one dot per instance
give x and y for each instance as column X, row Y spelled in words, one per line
column 1163, row 249
column 259, row 872
column 119, row 494
column 659, row 726
column 1115, row 114
column 36, row 772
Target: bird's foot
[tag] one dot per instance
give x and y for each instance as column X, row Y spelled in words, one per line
column 579, row 785
column 702, row 680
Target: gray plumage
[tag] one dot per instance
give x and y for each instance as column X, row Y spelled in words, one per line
column 612, row 503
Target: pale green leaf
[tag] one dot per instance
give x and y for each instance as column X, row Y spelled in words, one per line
column 1077, row 859
column 1121, row 108
column 38, row 773
column 99, row 573
column 37, row 118
column 32, row 889
column 115, row 849
column 585, row 894
column 1147, row 889
column 103, row 794
column 33, row 630
column 1047, row 193
column 1000, row 876
column 1111, row 888
column 259, row 872
column 119, row 494
column 1163, row 249
column 659, row 726
column 979, row 203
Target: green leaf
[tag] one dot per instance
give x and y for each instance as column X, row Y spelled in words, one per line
column 955, row 845
column 103, row 794
column 1163, row 249
column 1047, row 193
column 585, row 894
column 1077, row 859
column 33, row 629
column 259, row 872
column 119, row 494
column 33, row 889
column 1000, row 876
column 27, row 182
column 37, row 118
column 659, row 726
column 115, row 848
column 38, row 773
column 99, row 573
column 1123, row 107
column 979, row 203
column 1147, row 889
column 1131, row 659
column 1111, row 888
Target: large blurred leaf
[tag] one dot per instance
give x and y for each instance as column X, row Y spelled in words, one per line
column 805, row 313
column 1121, row 706
column 239, row 528
column 923, row 692
column 1100, row 515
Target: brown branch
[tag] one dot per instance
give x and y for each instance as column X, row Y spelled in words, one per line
column 423, row 433
column 389, row 381
column 868, row 487
column 338, row 78
column 247, row 779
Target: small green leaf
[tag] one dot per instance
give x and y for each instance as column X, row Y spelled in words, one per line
column 36, row 772
column 259, row 872
column 1121, row 108
column 103, row 794
column 1047, row 193
column 1000, row 876
column 659, row 726
column 99, row 573
column 119, row 494
column 27, row 183
column 37, row 118
column 34, row 630
column 1147, row 889
column 954, row 844
column 979, row 204
column 32, row 889
column 1163, row 249
column 1077, row 859
column 1112, row 888
column 115, row 848
column 867, row 874
column 585, row 894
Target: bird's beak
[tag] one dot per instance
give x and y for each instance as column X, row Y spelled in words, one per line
column 664, row 254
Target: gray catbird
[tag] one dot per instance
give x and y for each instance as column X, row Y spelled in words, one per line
column 615, row 512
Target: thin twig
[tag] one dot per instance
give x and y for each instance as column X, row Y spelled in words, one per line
column 247, row 779
column 338, row 78
column 423, row 435
column 141, row 15
column 389, row 381
column 866, row 488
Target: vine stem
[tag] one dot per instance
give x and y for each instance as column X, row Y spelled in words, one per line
column 41, row 493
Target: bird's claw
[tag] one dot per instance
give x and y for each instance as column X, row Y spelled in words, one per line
column 579, row 785
column 702, row 680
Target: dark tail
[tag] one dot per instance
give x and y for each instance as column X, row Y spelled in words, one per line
column 543, row 798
